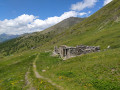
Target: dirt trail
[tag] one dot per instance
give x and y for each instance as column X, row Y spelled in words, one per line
column 27, row 81
column 39, row 76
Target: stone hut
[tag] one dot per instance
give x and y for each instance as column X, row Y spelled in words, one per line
column 67, row 52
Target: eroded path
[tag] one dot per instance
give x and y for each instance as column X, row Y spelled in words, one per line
column 41, row 77
column 28, row 84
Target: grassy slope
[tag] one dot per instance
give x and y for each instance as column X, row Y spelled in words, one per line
column 93, row 71
column 13, row 71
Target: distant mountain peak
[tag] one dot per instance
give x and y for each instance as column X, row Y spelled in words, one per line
column 4, row 37
column 63, row 25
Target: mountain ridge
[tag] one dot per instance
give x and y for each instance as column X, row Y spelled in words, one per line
column 5, row 37
column 65, row 24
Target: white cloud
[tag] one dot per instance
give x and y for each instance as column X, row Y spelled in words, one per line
column 83, row 13
column 82, row 5
column 17, row 25
column 89, row 12
column 106, row 2
column 29, row 23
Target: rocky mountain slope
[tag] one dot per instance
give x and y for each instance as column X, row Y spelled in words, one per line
column 63, row 25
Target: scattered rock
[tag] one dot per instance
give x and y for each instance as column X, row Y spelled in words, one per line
column 43, row 70
column 21, row 80
column 47, row 67
column 108, row 47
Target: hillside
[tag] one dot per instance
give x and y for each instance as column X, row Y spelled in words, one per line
column 102, row 28
column 37, row 69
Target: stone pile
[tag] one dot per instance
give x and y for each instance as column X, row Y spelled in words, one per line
column 67, row 52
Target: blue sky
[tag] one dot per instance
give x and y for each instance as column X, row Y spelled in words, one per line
column 26, row 16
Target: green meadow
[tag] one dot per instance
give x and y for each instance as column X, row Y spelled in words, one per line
column 95, row 71
column 13, row 73
column 13, row 70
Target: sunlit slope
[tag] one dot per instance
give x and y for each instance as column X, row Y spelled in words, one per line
column 13, row 70
column 95, row 71
column 16, row 73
